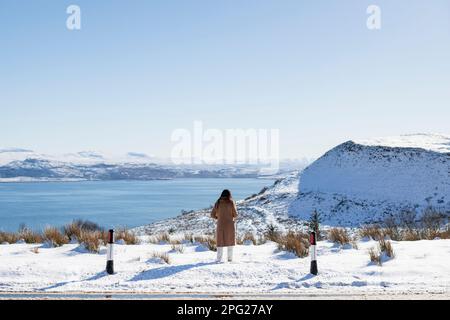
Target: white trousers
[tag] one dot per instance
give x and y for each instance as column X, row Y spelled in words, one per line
column 229, row 253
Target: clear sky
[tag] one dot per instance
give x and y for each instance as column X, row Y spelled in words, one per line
column 137, row 70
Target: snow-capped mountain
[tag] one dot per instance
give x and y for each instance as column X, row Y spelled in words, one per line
column 352, row 184
column 25, row 165
column 9, row 155
column 363, row 181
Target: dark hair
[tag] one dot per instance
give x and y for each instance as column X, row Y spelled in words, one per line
column 226, row 194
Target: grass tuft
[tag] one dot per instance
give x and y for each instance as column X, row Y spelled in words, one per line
column 339, row 235
column 297, row 243
column 178, row 248
column 54, row 237
column 127, row 236
column 162, row 255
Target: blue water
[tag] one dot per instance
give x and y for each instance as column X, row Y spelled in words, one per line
column 112, row 203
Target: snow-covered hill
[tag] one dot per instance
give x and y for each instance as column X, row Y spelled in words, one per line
column 365, row 181
column 352, row 184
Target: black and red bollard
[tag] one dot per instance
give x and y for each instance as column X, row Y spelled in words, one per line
column 109, row 253
column 312, row 250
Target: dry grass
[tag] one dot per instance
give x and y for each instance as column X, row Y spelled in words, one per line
column 372, row 232
column 162, row 255
column 272, row 234
column 375, row 256
column 160, row 238
column 297, row 243
column 92, row 240
column 411, row 235
column 30, row 236
column 208, row 241
column 8, row 237
column 445, row 234
column 178, row 248
column 189, row 237
column 54, row 237
column 354, row 243
column 386, row 247
column 406, row 228
column 339, row 235
column 74, row 229
column 127, row 236
column 248, row 237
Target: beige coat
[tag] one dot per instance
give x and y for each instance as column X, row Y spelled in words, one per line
column 225, row 212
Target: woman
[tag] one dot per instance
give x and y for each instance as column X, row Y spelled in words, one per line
column 225, row 212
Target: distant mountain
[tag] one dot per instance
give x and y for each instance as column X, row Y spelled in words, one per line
column 26, row 165
column 352, row 184
column 14, row 150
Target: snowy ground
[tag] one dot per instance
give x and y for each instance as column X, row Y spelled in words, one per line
column 419, row 268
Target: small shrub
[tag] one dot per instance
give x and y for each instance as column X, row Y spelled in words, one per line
column 372, row 232
column 162, row 237
column 411, row 235
column 211, row 243
column 74, row 229
column 30, row 236
column 178, row 248
column 92, row 240
column 386, row 247
column 339, row 235
column 54, row 237
column 297, row 243
column 127, row 236
column 162, row 255
column 189, row 237
column 176, row 241
column 375, row 256
column 8, row 237
column 391, row 229
column 208, row 241
column 444, row 234
column 272, row 234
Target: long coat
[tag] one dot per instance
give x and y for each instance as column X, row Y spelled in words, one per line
column 225, row 212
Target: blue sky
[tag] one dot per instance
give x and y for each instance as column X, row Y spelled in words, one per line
column 137, row 70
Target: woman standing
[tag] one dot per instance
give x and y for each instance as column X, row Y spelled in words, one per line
column 225, row 212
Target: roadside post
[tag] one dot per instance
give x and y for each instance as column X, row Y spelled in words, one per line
column 312, row 250
column 109, row 253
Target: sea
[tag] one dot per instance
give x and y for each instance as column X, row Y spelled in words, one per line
column 113, row 204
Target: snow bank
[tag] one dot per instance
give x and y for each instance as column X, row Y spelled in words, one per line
column 418, row 267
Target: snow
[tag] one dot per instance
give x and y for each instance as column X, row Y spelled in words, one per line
column 356, row 183
column 432, row 142
column 350, row 185
column 418, row 267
